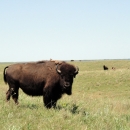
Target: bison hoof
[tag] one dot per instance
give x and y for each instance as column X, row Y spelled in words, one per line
column 17, row 103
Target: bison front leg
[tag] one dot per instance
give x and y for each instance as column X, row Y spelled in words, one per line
column 49, row 98
column 49, row 103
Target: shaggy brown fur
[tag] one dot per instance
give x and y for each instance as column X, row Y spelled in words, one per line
column 57, row 61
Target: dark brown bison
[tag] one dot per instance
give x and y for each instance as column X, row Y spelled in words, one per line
column 49, row 79
column 105, row 67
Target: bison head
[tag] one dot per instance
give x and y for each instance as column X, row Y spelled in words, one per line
column 67, row 72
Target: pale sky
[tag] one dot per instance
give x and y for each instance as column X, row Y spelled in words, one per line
column 33, row 30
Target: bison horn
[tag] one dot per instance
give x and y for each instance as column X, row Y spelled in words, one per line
column 59, row 71
column 76, row 71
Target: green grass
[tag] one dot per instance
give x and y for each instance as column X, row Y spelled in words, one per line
column 100, row 101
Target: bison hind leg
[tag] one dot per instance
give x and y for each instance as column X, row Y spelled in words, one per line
column 8, row 94
column 14, row 93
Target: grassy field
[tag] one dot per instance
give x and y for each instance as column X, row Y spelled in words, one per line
column 100, row 101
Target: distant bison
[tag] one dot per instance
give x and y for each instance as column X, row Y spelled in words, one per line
column 105, row 67
column 113, row 68
column 49, row 79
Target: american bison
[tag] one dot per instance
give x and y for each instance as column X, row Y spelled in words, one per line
column 49, row 79
column 105, row 67
column 113, row 68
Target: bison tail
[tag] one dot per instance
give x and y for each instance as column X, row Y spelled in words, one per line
column 4, row 74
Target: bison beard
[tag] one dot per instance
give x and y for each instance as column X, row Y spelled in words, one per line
column 45, row 78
